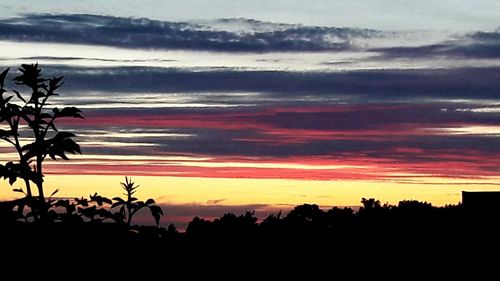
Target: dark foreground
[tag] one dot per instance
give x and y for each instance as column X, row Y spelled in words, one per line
column 414, row 237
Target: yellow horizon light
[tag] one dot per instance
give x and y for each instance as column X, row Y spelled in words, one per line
column 273, row 192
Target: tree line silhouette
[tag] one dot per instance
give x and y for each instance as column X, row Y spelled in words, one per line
column 309, row 220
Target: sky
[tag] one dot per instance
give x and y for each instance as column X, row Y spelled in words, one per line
column 379, row 14
column 216, row 106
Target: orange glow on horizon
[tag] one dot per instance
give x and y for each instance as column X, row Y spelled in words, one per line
column 273, row 192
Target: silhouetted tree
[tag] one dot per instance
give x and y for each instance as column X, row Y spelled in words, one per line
column 305, row 213
column 31, row 109
column 198, row 227
column 340, row 219
column 370, row 204
column 414, row 208
column 231, row 224
column 272, row 224
column 306, row 219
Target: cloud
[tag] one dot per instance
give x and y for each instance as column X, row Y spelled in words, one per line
column 381, row 116
column 289, row 87
column 215, row 201
column 478, row 45
column 51, row 58
column 151, row 34
column 470, row 51
column 491, row 37
column 303, row 142
column 385, row 119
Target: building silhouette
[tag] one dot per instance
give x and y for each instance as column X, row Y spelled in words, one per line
column 486, row 202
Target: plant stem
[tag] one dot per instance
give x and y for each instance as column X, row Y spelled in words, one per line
column 39, row 182
column 38, row 141
column 14, row 126
column 28, row 188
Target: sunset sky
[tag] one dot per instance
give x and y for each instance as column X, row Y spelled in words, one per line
column 215, row 106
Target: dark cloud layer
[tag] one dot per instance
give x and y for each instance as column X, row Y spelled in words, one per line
column 479, row 45
column 151, row 34
column 370, row 85
column 261, row 36
column 331, row 131
column 364, row 112
column 297, row 114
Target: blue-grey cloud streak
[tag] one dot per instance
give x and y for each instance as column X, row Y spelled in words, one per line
column 361, row 85
column 146, row 33
column 482, row 45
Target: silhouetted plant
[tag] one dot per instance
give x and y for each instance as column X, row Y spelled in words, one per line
column 130, row 206
column 82, row 209
column 45, row 139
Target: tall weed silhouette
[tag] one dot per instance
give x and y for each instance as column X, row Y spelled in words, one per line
column 45, row 140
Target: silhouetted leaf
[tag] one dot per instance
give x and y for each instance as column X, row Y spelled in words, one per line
column 150, row 201
column 54, row 192
column 30, row 76
column 5, row 100
column 19, row 96
column 89, row 212
column 33, row 150
column 6, row 134
column 64, row 135
column 156, row 212
column 54, row 84
column 118, row 202
column 53, row 126
column 62, row 203
column 100, row 200
column 18, row 190
column 138, row 205
column 119, row 199
column 60, row 145
column 2, row 77
column 27, row 146
column 82, row 201
column 12, row 179
column 67, row 112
